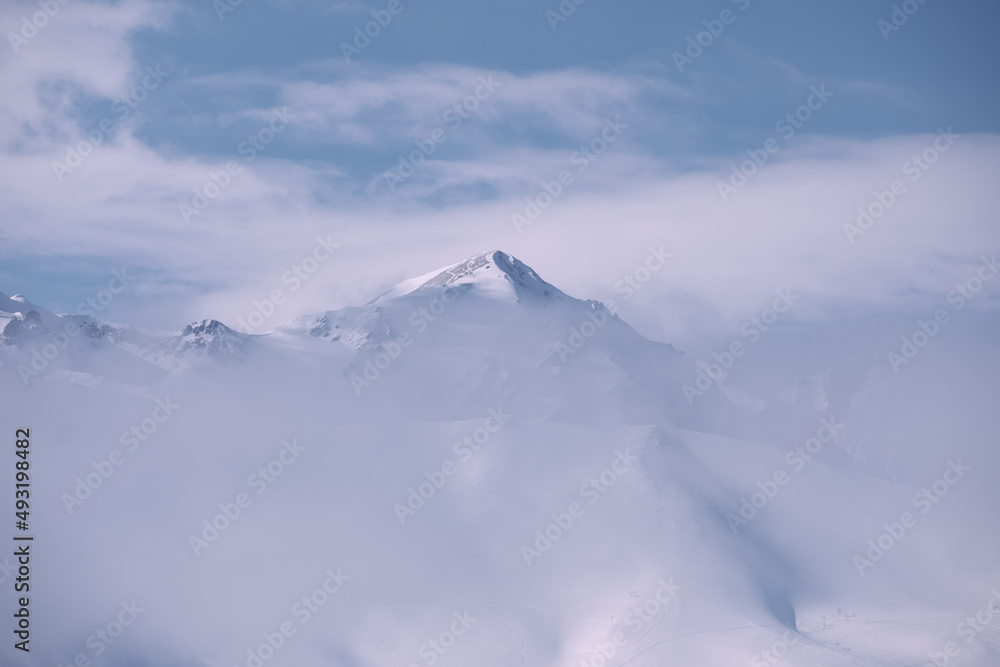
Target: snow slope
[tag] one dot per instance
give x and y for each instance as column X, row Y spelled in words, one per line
column 482, row 470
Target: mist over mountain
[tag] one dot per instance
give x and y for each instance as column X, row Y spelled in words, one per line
column 475, row 467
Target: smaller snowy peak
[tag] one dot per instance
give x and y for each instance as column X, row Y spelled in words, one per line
column 24, row 324
column 208, row 338
column 207, row 328
column 20, row 330
column 491, row 271
column 18, row 306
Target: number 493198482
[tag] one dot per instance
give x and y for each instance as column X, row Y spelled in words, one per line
column 22, row 483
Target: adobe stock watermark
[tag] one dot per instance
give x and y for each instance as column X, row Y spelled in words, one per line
column 218, row 181
column 134, row 437
column 303, row 611
column 562, row 12
column 296, row 275
column 582, row 159
column 592, row 491
column 925, row 500
column 42, row 356
column 98, row 303
column 99, row 641
column 372, row 29
column 967, row 291
column 453, row 118
column 260, row 481
column 927, row 329
column 630, row 284
column 698, row 43
column 775, row 653
column 968, row 630
column 633, row 281
column 786, row 126
column 639, row 617
column 582, row 332
column 463, row 451
column 123, row 107
column 30, row 27
column 60, row 340
column 914, row 168
column 223, row 7
column 716, row 371
column 386, row 353
column 435, row 647
column 899, row 17
column 796, row 459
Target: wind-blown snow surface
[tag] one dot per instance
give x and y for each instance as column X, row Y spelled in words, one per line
column 481, row 470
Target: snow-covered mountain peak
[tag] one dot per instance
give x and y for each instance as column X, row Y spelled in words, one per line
column 493, row 271
column 14, row 304
column 207, row 328
column 18, row 307
column 19, row 329
column 209, row 338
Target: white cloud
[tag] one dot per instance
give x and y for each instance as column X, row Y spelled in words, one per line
column 82, row 51
column 784, row 229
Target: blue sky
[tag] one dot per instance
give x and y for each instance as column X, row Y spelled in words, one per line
column 220, row 81
column 936, row 69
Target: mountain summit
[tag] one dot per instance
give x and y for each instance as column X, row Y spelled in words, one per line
column 492, row 271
